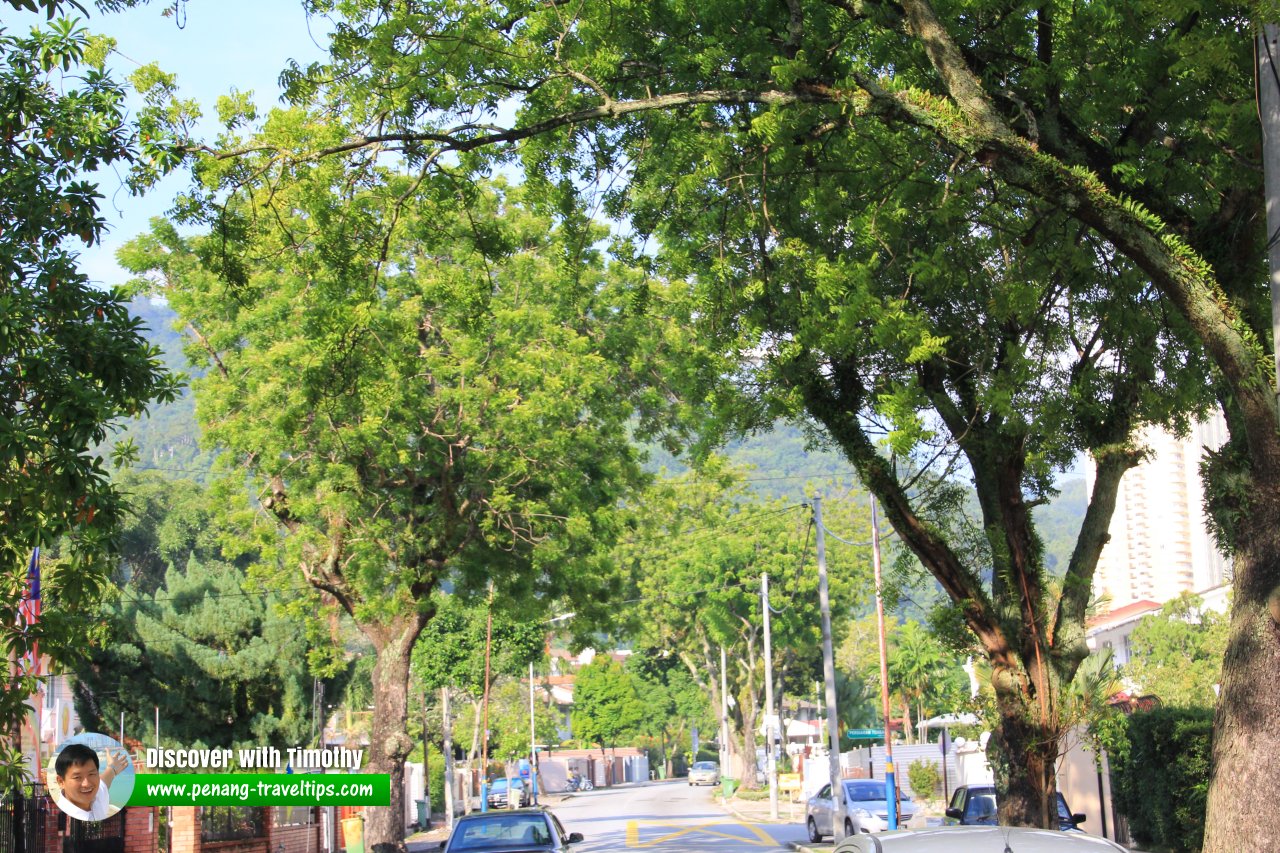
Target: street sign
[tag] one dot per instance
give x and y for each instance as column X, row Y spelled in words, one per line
column 864, row 734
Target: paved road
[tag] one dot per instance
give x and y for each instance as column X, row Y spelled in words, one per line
column 666, row 817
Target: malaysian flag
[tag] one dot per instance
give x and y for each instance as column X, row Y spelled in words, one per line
column 29, row 613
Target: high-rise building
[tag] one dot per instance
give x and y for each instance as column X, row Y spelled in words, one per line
column 1159, row 543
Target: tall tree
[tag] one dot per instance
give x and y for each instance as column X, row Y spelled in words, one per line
column 218, row 659
column 607, row 708
column 73, row 361
column 1125, row 166
column 1177, row 653
column 675, row 703
column 927, row 676
column 424, row 382
column 699, row 549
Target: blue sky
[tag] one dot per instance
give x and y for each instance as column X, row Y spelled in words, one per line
column 222, row 44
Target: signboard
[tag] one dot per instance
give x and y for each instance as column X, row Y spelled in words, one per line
column 864, row 734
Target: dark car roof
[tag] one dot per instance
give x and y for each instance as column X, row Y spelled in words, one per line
column 503, row 815
column 541, row 810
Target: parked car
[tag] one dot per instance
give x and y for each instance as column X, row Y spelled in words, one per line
column 866, row 809
column 500, row 797
column 534, row 830
column 977, row 839
column 975, row 805
column 704, row 773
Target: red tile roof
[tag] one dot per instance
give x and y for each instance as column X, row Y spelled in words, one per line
column 1125, row 614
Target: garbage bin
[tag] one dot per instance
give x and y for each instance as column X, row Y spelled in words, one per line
column 353, row 833
column 424, row 814
column 728, row 786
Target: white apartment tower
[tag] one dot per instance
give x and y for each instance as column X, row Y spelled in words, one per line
column 1159, row 544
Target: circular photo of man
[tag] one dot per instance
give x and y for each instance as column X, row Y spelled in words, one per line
column 91, row 776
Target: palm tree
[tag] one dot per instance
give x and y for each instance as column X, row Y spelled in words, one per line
column 918, row 665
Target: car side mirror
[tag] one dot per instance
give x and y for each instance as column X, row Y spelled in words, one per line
column 955, row 814
column 444, row 844
column 574, row 837
column 1077, row 819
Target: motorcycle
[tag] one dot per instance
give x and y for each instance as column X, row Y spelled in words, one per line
column 580, row 783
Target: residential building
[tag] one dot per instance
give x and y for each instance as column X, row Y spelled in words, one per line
column 1160, row 545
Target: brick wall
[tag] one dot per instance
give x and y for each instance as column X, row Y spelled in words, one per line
column 184, row 830
column 140, row 829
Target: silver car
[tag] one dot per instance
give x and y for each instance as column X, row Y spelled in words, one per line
column 704, row 773
column 866, row 809
column 977, row 839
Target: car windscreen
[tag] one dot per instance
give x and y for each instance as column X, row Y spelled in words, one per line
column 861, row 792
column 498, row 832
column 705, row 765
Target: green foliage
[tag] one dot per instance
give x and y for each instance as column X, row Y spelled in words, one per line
column 214, row 654
column 509, row 721
column 986, row 259
column 1161, row 776
column 73, row 361
column 1177, row 653
column 674, row 701
column 701, row 543
column 925, row 778
column 450, row 652
column 607, row 708
column 924, row 672
column 168, row 521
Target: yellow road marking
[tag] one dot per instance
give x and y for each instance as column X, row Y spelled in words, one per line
column 633, row 833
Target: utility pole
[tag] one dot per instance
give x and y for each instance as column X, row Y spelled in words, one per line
column 446, row 736
column 724, row 715
column 770, row 719
column 891, row 794
column 829, row 674
column 484, row 736
column 1269, row 109
column 533, row 742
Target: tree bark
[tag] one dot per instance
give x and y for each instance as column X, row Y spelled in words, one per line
column 1026, row 754
column 389, row 743
column 1246, row 725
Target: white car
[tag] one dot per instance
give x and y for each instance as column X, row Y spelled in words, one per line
column 977, row 839
column 866, row 809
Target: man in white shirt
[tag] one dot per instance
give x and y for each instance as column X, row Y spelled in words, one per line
column 85, row 791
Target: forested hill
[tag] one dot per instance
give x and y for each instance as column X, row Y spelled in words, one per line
column 780, row 463
column 168, row 437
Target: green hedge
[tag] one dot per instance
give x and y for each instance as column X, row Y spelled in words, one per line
column 1160, row 775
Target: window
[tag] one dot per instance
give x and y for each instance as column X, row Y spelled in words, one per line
column 229, row 823
column 294, row 815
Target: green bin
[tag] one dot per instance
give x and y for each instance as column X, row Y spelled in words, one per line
column 353, row 833
column 728, row 786
column 424, row 815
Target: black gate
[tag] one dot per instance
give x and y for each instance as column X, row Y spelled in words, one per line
column 103, row 836
column 22, row 819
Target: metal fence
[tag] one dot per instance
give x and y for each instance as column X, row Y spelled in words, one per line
column 23, row 817
column 231, row 823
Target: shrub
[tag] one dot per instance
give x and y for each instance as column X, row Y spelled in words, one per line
column 1160, row 776
column 924, row 778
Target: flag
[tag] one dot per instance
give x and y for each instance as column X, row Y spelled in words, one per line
column 29, row 613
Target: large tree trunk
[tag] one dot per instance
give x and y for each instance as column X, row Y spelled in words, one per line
column 1024, row 755
column 389, row 741
column 1246, row 726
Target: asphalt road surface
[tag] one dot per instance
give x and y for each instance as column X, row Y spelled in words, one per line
column 666, row 817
